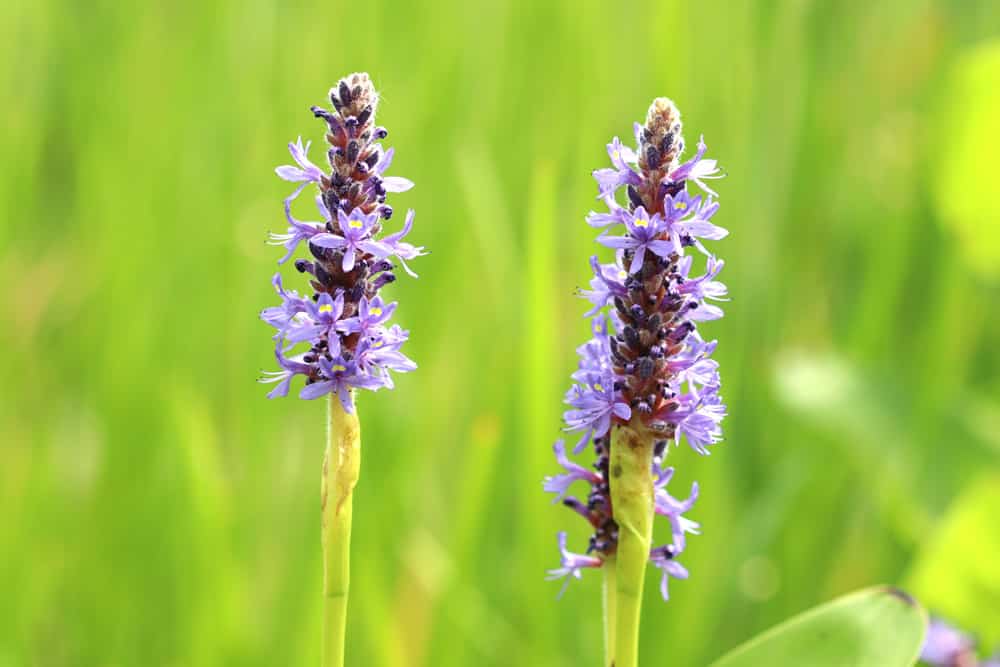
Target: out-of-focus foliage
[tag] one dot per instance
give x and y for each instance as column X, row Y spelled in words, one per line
column 879, row 627
column 155, row 509
column 957, row 575
column 966, row 190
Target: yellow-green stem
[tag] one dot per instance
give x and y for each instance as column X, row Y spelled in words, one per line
column 632, row 504
column 610, row 597
column 340, row 473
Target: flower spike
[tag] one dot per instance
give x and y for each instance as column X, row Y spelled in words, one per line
column 646, row 377
column 344, row 322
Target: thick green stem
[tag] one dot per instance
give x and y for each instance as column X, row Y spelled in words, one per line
column 632, row 504
column 610, row 600
column 340, row 473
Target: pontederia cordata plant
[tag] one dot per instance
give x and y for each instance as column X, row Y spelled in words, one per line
column 338, row 338
column 646, row 377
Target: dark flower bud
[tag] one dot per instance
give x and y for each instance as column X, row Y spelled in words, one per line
column 322, row 254
column 652, row 157
column 634, row 197
column 631, row 337
column 352, row 151
column 365, row 114
column 383, row 280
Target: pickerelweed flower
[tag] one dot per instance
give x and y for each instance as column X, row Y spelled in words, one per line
column 343, row 322
column 646, row 366
column 947, row 646
column 337, row 336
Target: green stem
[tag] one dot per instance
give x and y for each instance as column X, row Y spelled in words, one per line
column 610, row 600
column 340, row 473
column 632, row 503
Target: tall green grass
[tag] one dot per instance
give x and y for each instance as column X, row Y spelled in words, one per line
column 156, row 509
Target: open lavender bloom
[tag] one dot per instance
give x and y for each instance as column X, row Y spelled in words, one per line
column 646, row 363
column 344, row 322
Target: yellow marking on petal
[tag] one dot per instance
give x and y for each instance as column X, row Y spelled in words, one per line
column 337, row 368
column 375, row 311
column 616, row 155
column 680, row 206
column 640, row 222
column 623, row 274
column 355, row 224
column 598, row 386
column 326, row 308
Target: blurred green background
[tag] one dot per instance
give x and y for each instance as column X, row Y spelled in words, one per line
column 156, row 509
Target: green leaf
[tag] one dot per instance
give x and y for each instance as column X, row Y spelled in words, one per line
column 877, row 627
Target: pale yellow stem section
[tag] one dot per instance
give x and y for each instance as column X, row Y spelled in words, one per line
column 610, row 611
column 632, row 503
column 341, row 466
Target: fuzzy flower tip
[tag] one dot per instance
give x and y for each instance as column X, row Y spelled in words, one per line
column 338, row 337
column 646, row 362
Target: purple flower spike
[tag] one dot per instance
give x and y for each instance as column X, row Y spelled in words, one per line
column 646, row 364
column 343, row 325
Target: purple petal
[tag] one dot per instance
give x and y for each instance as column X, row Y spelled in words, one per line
column 396, row 184
column 316, row 389
column 328, row 241
column 290, row 173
